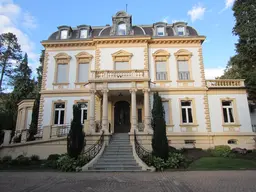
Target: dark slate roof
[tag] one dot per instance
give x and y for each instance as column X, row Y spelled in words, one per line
column 138, row 30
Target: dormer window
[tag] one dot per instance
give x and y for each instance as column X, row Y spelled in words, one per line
column 121, row 30
column 181, row 30
column 64, row 34
column 83, row 33
column 160, row 31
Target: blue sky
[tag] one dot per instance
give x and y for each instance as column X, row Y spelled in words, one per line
column 33, row 21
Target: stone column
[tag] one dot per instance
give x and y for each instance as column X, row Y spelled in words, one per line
column 134, row 110
column 105, row 111
column 147, row 117
column 92, row 111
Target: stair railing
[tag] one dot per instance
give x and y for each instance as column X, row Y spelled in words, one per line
column 143, row 154
column 92, row 151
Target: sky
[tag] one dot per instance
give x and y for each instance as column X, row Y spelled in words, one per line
column 34, row 20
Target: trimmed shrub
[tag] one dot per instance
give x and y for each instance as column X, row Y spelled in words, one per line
column 82, row 160
column 158, row 163
column 7, row 159
column 53, row 157
column 22, row 160
column 175, row 160
column 221, row 151
column 34, row 158
column 67, row 164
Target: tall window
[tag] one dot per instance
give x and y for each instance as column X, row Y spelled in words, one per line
column 83, row 72
column 228, row 115
column 83, row 33
column 59, row 113
column 181, row 31
column 122, row 65
column 161, row 72
column 64, row 34
column 183, row 70
column 139, row 115
column 186, row 112
column 121, row 29
column 160, row 31
column 84, row 108
column 62, row 73
column 166, row 112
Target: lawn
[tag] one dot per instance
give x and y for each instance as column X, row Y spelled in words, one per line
column 221, row 163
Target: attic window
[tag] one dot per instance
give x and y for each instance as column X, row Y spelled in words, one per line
column 83, row 33
column 181, row 31
column 64, row 34
column 160, row 31
column 121, row 30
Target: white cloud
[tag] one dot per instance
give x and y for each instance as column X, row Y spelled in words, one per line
column 197, row 12
column 211, row 73
column 228, row 4
column 165, row 19
column 11, row 16
column 29, row 21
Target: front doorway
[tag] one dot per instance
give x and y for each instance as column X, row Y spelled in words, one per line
column 122, row 117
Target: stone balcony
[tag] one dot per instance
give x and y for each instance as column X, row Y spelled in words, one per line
column 225, row 83
column 119, row 75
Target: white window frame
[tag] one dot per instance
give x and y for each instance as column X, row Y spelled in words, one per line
column 120, row 29
column 183, row 72
column 231, row 106
column 162, row 74
column 81, row 33
column 61, row 34
column 57, row 75
column 59, row 113
column 186, row 112
column 82, row 111
column 183, row 30
column 78, row 78
column 157, row 32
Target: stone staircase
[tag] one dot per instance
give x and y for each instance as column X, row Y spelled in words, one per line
column 117, row 156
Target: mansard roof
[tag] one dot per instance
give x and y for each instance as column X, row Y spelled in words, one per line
column 134, row 30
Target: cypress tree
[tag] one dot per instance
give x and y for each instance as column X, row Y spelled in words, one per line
column 159, row 139
column 75, row 140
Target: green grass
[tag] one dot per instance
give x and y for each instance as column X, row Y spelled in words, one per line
column 221, row 163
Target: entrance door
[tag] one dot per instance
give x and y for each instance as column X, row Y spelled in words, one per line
column 122, row 117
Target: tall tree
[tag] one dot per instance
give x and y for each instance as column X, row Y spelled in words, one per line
column 159, row 139
column 35, row 112
column 75, row 140
column 243, row 64
column 9, row 52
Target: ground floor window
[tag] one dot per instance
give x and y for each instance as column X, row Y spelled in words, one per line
column 166, row 112
column 84, row 109
column 228, row 115
column 59, row 113
column 186, row 112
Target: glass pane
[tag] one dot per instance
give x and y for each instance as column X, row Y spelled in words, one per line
column 122, row 66
column 121, row 29
column 160, row 66
column 160, row 31
column 231, row 117
column 83, row 72
column 62, row 73
column 62, row 117
column 161, row 75
column 226, row 103
column 190, row 116
column 184, row 117
column 183, row 66
column 83, row 33
column 184, row 75
column 85, row 114
column 180, row 30
column 60, row 105
column 64, row 34
column 166, row 110
column 185, row 103
column 225, row 115
column 56, row 117
column 139, row 115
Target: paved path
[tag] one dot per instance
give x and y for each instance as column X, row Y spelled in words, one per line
column 240, row 181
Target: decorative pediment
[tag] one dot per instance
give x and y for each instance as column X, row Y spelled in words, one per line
column 62, row 58
column 161, row 55
column 84, row 57
column 122, row 56
column 183, row 54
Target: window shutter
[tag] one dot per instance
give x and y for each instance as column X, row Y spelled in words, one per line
column 62, row 73
column 83, row 72
column 160, row 66
column 183, row 66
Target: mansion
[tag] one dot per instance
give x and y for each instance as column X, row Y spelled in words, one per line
column 112, row 72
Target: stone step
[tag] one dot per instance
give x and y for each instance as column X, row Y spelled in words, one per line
column 116, row 167
column 111, row 158
column 117, row 155
column 99, row 170
column 117, row 161
column 113, row 164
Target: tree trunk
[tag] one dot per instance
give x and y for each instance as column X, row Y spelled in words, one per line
column 2, row 75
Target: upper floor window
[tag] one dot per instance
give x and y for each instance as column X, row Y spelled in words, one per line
column 83, row 33
column 183, row 70
column 121, row 29
column 181, row 30
column 228, row 114
column 59, row 113
column 84, row 108
column 186, row 112
column 160, row 31
column 166, row 112
column 83, row 72
column 62, row 73
column 161, row 72
column 64, row 34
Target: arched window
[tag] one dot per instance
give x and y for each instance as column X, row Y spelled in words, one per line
column 121, row 29
column 232, row 141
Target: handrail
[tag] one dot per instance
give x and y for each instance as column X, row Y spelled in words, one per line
column 143, row 154
column 92, row 151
